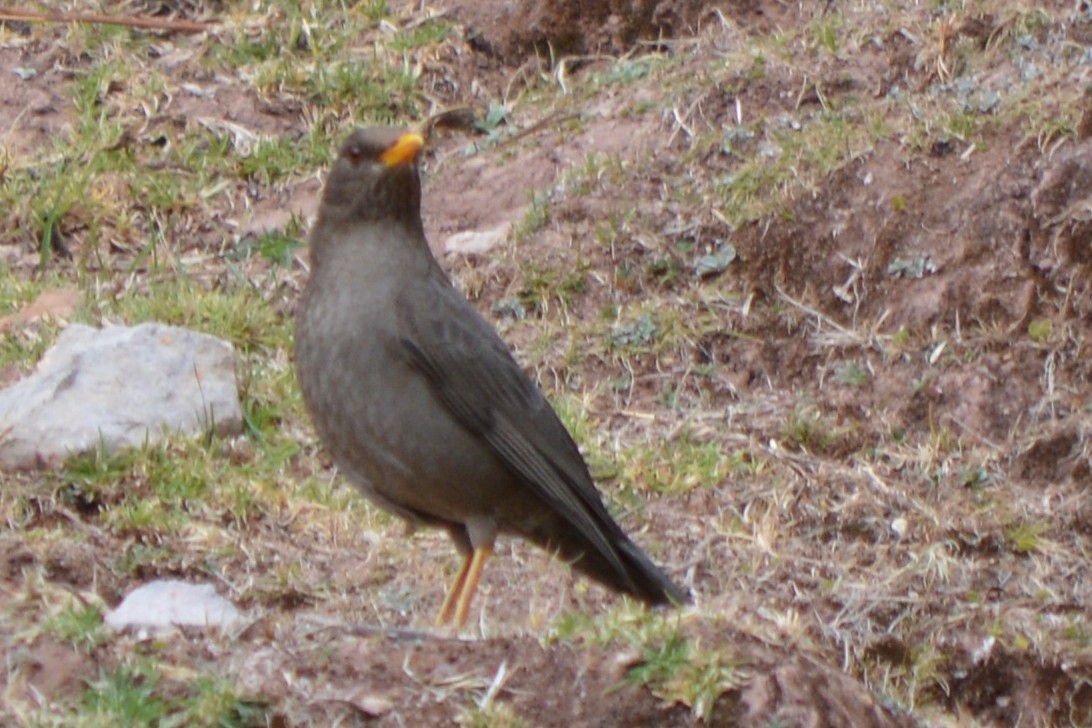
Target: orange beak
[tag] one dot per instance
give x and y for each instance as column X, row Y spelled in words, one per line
column 403, row 151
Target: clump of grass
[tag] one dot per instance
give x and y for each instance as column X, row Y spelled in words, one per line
column 1026, row 537
column 137, row 694
column 126, row 696
column 673, row 665
column 770, row 494
column 79, row 625
column 536, row 217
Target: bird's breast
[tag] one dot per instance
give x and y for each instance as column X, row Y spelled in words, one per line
column 378, row 415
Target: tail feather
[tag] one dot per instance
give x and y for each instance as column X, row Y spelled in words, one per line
column 652, row 584
column 638, row 576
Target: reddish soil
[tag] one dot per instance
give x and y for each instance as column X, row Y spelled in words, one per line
column 946, row 246
column 515, row 31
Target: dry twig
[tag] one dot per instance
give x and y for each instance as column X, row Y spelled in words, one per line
column 135, row 21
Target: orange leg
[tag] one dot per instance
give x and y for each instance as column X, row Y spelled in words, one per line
column 470, row 584
column 452, row 598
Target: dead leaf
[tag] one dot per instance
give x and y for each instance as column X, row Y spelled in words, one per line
column 372, row 706
column 53, row 303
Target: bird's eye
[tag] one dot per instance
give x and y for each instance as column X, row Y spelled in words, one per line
column 355, row 153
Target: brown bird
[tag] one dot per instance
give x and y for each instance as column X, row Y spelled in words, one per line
column 419, row 400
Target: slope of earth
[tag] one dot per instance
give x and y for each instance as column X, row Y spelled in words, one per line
column 810, row 285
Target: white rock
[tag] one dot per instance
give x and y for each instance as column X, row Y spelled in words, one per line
column 900, row 526
column 118, row 387
column 477, row 241
column 167, row 603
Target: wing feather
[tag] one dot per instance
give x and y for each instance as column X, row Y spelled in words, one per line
column 471, row 371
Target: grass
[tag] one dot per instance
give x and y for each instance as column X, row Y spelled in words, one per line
column 667, row 661
column 804, row 458
column 79, row 625
column 132, row 695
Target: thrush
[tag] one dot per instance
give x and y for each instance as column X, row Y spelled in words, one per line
column 418, row 399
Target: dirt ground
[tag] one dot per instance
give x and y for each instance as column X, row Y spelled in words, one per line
column 897, row 350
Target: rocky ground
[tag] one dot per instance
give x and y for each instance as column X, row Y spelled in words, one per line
column 809, row 283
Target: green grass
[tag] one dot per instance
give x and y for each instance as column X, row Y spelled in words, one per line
column 666, row 660
column 134, row 694
column 79, row 625
column 742, row 445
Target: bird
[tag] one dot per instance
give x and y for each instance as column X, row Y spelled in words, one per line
column 419, row 401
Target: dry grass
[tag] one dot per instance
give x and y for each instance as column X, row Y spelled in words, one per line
column 863, row 445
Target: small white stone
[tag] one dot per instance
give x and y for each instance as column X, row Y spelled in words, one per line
column 167, row 603
column 900, row 526
column 477, row 241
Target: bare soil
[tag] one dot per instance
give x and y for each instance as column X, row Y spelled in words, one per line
column 869, row 524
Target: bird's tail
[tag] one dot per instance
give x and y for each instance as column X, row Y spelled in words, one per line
column 643, row 579
column 627, row 569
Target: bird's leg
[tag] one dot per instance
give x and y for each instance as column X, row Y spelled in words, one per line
column 474, row 539
column 470, row 583
column 452, row 598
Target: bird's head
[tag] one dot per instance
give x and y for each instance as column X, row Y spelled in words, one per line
column 375, row 177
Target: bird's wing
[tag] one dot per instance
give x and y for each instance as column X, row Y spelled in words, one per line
column 471, row 371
